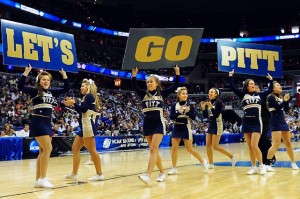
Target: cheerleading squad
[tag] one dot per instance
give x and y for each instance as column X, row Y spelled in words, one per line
column 182, row 113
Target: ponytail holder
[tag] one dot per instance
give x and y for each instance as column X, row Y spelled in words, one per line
column 91, row 81
column 157, row 76
column 178, row 89
column 37, row 77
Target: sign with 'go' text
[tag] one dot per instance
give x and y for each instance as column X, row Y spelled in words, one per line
column 42, row 48
column 252, row 59
column 150, row 48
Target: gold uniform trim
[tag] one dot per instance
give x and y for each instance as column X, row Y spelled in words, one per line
column 252, row 106
column 152, row 109
column 44, row 105
column 87, row 128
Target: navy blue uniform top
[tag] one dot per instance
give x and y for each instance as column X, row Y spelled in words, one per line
column 251, row 102
column 43, row 105
column 153, row 103
column 214, row 114
column 277, row 106
column 182, row 118
column 87, row 110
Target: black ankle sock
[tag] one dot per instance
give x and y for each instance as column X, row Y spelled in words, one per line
column 268, row 162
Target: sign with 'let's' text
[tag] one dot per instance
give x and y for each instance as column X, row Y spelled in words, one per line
column 248, row 58
column 42, row 48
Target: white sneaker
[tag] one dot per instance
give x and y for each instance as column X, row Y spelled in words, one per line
column 294, row 166
column 262, row 169
column 211, row 166
column 89, row 162
column 161, row 177
column 173, row 171
column 44, row 183
column 71, row 177
column 97, row 178
column 252, row 171
column 205, row 166
column 36, row 184
column 144, row 178
column 269, row 168
column 233, row 160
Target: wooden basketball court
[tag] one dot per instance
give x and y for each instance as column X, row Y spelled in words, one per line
column 122, row 168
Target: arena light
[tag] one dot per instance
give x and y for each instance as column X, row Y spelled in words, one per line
column 282, row 30
column 243, row 33
column 295, row 29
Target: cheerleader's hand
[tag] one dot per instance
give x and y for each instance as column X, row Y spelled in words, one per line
column 269, row 77
column 286, row 97
column 187, row 109
column 63, row 73
column 134, row 71
column 27, row 70
column 177, row 69
column 231, row 73
column 209, row 104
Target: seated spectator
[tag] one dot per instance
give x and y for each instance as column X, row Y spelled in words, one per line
column 8, row 130
column 68, row 132
column 226, row 131
column 55, row 130
column 24, row 132
column 75, row 123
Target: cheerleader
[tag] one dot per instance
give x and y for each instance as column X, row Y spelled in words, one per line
column 213, row 110
column 43, row 100
column 88, row 114
column 154, row 125
column 182, row 113
column 252, row 122
column 277, row 106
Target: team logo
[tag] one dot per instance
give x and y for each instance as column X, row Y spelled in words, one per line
column 34, row 147
column 106, row 143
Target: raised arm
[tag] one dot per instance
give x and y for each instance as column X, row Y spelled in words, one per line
column 21, row 84
column 174, row 86
column 233, row 88
column 56, row 92
column 135, row 87
column 270, row 88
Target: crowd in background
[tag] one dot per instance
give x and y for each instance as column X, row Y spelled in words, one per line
column 121, row 113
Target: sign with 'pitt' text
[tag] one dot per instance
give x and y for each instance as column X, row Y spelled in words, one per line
column 246, row 58
column 42, row 48
column 150, row 48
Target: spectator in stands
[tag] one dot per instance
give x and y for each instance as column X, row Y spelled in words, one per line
column 8, row 130
column 55, row 130
column 279, row 128
column 75, row 123
column 252, row 125
column 68, row 132
column 183, row 113
column 154, row 126
column 24, row 132
column 88, row 117
column 43, row 100
column 212, row 109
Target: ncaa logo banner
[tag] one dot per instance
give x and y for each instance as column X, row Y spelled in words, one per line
column 150, row 48
column 42, row 48
column 252, row 59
